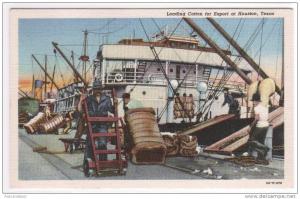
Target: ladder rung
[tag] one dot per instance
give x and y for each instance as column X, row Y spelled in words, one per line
column 107, row 151
column 102, row 119
column 112, row 164
column 95, row 135
column 107, row 163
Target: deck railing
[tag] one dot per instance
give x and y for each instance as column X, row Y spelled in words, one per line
column 159, row 79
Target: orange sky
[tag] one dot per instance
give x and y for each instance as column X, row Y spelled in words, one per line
column 25, row 82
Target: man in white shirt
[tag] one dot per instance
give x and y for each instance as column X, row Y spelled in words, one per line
column 259, row 131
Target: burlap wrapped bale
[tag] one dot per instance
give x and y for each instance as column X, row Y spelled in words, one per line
column 185, row 111
column 172, row 144
column 188, row 145
column 52, row 125
column 148, row 144
column 33, row 125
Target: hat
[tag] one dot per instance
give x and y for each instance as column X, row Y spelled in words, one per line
column 126, row 95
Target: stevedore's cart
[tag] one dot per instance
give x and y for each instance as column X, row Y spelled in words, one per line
column 95, row 163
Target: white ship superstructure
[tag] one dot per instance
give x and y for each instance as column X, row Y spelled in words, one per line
column 136, row 67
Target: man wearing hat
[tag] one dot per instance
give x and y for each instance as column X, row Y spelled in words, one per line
column 99, row 105
column 232, row 103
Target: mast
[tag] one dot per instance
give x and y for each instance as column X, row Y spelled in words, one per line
column 33, row 87
column 84, row 57
column 242, row 52
column 53, row 77
column 219, row 51
column 69, row 63
column 73, row 62
column 45, row 77
column 45, row 71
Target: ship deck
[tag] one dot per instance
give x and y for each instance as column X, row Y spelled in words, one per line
column 59, row 165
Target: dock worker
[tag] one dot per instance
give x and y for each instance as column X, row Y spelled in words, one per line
column 258, row 131
column 129, row 103
column 99, row 105
column 259, row 93
column 232, row 103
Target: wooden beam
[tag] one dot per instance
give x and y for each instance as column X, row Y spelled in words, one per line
column 69, row 63
column 241, row 136
column 208, row 123
column 243, row 53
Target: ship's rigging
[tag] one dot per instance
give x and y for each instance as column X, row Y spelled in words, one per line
column 217, row 83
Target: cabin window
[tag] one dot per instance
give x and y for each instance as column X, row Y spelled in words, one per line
column 171, row 70
column 192, row 46
column 194, row 72
column 158, row 69
column 183, row 71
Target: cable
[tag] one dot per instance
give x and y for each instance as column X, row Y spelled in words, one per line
column 162, row 68
column 260, row 49
column 226, row 75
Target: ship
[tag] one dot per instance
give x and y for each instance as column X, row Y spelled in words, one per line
column 131, row 66
column 183, row 80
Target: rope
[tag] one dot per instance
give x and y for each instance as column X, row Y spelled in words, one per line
column 163, row 46
column 276, row 63
column 260, row 49
column 267, row 38
column 247, row 45
column 190, row 68
column 216, row 92
column 162, row 68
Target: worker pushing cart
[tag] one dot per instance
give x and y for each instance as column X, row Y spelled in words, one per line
column 97, row 108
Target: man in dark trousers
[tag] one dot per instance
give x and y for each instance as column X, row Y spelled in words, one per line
column 232, row 103
column 258, row 132
column 99, row 105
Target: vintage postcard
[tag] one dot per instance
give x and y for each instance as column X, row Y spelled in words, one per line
column 150, row 98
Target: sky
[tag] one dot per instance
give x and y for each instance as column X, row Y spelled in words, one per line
column 36, row 35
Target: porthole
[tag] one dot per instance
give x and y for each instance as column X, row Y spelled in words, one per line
column 144, row 92
column 158, row 69
column 183, row 71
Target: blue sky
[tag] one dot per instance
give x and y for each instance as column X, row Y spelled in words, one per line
column 36, row 35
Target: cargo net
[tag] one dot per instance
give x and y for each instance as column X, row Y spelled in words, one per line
column 181, row 145
column 185, row 111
